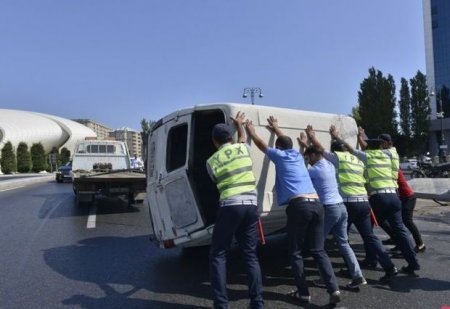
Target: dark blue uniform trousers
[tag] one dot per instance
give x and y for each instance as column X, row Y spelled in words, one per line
column 359, row 215
column 387, row 206
column 305, row 231
column 240, row 221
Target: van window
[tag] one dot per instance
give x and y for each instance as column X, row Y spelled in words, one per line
column 92, row 148
column 102, row 148
column 176, row 147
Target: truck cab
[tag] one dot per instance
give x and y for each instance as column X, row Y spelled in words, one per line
column 183, row 200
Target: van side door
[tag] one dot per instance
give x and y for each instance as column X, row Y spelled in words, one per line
column 173, row 207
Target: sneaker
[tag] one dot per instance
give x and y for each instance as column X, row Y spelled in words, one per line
column 302, row 298
column 356, row 283
column 389, row 275
column 368, row 264
column 420, row 248
column 388, row 242
column 335, row 297
column 410, row 270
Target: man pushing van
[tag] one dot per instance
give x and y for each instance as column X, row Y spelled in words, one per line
column 231, row 168
column 305, row 214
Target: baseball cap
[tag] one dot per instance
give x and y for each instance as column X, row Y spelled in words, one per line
column 385, row 137
column 222, row 131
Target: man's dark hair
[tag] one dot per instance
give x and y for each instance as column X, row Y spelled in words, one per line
column 313, row 150
column 338, row 145
column 284, row 142
column 223, row 139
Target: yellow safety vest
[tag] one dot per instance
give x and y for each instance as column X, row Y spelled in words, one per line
column 379, row 170
column 232, row 169
column 350, row 174
column 395, row 165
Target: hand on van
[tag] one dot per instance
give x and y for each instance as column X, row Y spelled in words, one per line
column 239, row 119
column 273, row 125
column 310, row 132
column 334, row 132
column 302, row 140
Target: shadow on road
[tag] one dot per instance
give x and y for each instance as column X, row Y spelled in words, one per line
column 158, row 278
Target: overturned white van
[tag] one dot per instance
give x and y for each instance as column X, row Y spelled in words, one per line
column 183, row 200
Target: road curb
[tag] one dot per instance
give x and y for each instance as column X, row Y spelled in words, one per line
column 22, row 182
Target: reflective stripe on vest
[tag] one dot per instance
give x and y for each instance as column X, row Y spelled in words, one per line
column 233, row 170
column 350, row 174
column 395, row 165
column 379, row 170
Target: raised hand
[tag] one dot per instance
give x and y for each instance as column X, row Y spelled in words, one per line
column 309, row 131
column 273, row 123
column 250, row 127
column 239, row 119
column 334, row 132
column 303, row 140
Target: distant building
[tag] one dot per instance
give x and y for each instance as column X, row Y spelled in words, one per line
column 51, row 131
column 101, row 130
column 131, row 137
column 436, row 16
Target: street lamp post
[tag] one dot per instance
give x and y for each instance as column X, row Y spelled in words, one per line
column 252, row 91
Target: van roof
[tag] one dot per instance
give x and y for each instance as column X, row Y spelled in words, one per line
column 262, row 110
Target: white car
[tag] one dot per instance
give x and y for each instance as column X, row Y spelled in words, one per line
column 409, row 164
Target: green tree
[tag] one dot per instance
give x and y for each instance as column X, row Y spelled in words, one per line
column 405, row 108
column 65, row 155
column 8, row 159
column 23, row 158
column 38, row 158
column 420, row 111
column 146, row 128
column 355, row 114
column 376, row 104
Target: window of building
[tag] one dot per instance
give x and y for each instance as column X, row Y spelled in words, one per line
column 176, row 147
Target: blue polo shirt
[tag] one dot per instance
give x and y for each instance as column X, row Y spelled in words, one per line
column 292, row 177
column 323, row 176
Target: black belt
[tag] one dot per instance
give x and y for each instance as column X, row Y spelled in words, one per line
column 304, row 199
column 327, row 205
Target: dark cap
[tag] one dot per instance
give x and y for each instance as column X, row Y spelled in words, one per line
column 222, row 131
column 385, row 137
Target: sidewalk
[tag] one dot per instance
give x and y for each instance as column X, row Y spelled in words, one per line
column 8, row 182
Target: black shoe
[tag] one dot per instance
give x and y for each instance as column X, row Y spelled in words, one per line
column 420, row 248
column 335, row 297
column 301, row 298
column 388, row 242
column 389, row 275
column 368, row 264
column 410, row 270
column 356, row 283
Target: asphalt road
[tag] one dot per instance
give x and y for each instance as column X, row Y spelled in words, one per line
column 57, row 255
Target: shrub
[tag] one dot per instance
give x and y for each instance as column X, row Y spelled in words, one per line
column 23, row 158
column 8, row 159
column 38, row 158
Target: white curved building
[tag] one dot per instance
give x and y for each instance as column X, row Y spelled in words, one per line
column 22, row 126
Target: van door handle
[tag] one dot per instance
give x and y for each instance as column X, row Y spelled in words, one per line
column 159, row 178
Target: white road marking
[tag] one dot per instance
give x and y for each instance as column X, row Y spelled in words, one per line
column 11, row 188
column 92, row 217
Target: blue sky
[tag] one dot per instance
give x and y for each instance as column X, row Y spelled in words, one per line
column 119, row 61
